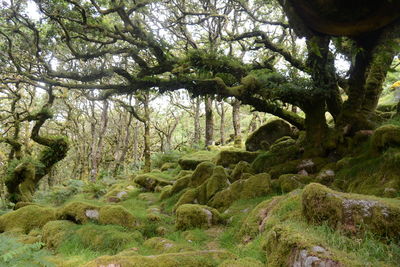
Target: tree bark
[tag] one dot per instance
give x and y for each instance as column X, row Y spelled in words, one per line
column 197, row 132
column 209, row 122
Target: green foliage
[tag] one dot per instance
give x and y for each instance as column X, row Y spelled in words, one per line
column 59, row 195
column 158, row 159
column 16, row 254
column 95, row 189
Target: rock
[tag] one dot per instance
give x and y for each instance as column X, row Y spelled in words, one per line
column 255, row 186
column 282, row 144
column 202, row 172
column 386, row 136
column 168, row 165
column 150, row 181
column 206, row 258
column 196, row 216
column 76, row 212
column 351, row 213
column 390, row 192
column 181, row 184
column 240, row 168
column 229, row 157
column 268, row 134
column 21, row 204
column 190, row 161
column 56, row 232
column 188, row 197
column 218, row 181
column 312, row 165
column 26, row 218
column 165, row 192
column 290, row 182
column 115, row 214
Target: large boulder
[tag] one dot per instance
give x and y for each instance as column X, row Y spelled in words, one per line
column 241, row 168
column 150, row 181
column 190, row 161
column 26, row 218
column 202, row 172
column 386, row 136
column 227, row 158
column 190, row 216
column 115, row 214
column 351, row 213
column 267, row 134
column 256, row 186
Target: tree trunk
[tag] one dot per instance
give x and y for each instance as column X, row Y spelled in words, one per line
column 209, row 122
column 123, row 146
column 146, row 152
column 197, row 132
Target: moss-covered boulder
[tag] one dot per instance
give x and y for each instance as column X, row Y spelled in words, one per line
column 227, row 158
column 241, row 262
column 202, row 172
column 267, row 160
column 162, row 245
column 386, row 136
column 207, row 258
column 56, row 232
column 351, row 213
column 282, row 144
column 116, row 214
column 240, row 168
column 78, row 212
column 26, row 218
column 190, row 161
column 165, row 192
column 168, row 165
column 180, row 184
column 150, row 181
column 267, row 134
column 190, row 216
column 284, row 168
column 290, row 182
column 218, row 181
column 188, row 197
column 285, row 246
column 255, row 186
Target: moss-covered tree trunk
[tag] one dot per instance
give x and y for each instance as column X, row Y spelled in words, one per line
column 146, row 151
column 197, row 132
column 209, row 122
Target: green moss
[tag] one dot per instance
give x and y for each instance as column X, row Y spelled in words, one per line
column 181, row 184
column 166, row 192
column 162, row 245
column 240, row 168
column 196, row 216
column 290, row 182
column 351, row 213
column 26, row 218
column 218, row 181
column 282, row 144
column 56, row 232
column 248, row 262
column 78, row 212
column 115, row 214
column 255, row 186
column 188, row 259
column 190, row 161
column 234, row 156
column 284, row 168
column 202, row 172
column 150, row 181
column 188, row 197
column 169, row 165
column 386, row 136
column 267, row 134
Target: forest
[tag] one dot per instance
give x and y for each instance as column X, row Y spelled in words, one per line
column 199, row 133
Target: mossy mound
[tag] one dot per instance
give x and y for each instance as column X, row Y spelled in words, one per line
column 22, row 204
column 207, row 258
column 163, row 245
column 188, row 197
column 26, row 218
column 180, row 184
column 265, row 161
column 290, row 182
column 202, row 172
column 255, row 186
column 285, row 246
column 282, row 144
column 119, row 192
column 165, row 192
column 386, row 136
column 217, row 182
column 351, row 213
column 190, row 216
column 56, row 232
column 190, row 161
column 244, row 262
column 115, row 214
column 78, row 212
column 267, row 134
column 240, row 168
column 230, row 157
column 150, row 181
column 168, row 165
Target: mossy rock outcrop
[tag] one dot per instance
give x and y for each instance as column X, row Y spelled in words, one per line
column 180, row 184
column 227, row 158
column 290, row 182
column 202, row 172
column 386, row 136
column 165, row 192
column 351, row 213
column 188, row 197
column 255, row 186
column 163, row 245
column 286, row 246
column 115, row 214
column 56, row 232
column 168, row 165
column 206, row 258
column 150, row 181
column 240, row 168
column 190, row 216
column 267, row 134
column 26, row 218
column 266, row 161
column 190, row 161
